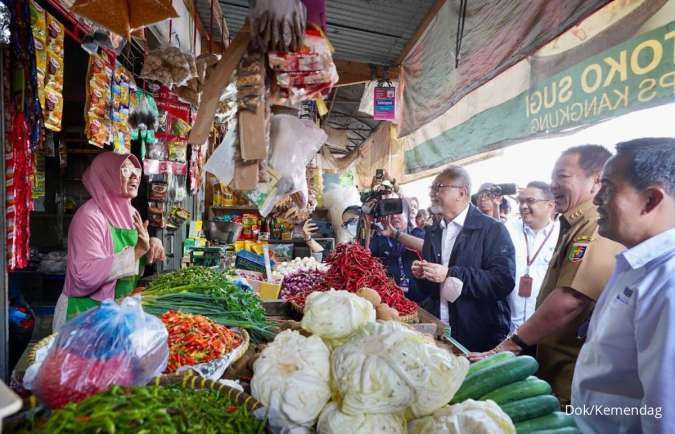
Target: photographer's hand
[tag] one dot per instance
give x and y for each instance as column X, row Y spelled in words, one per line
column 389, row 231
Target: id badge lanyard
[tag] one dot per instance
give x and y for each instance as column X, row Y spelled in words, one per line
column 525, row 282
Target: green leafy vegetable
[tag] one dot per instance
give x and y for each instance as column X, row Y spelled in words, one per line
column 201, row 291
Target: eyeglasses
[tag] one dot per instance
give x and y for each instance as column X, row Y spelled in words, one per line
column 531, row 201
column 128, row 171
column 435, row 188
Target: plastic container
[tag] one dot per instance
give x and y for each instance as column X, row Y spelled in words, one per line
column 266, row 291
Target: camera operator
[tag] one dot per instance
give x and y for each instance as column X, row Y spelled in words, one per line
column 490, row 199
column 386, row 244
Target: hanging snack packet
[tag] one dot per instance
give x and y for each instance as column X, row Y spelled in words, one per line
column 180, row 128
column 38, row 21
column 55, row 36
column 177, row 150
column 53, row 108
column 158, row 191
column 156, row 217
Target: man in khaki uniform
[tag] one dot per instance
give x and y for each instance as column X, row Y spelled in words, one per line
column 579, row 270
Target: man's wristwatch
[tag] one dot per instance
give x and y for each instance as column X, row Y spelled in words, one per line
column 518, row 341
column 397, row 235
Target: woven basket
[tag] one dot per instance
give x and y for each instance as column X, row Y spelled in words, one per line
column 296, row 307
column 411, row 318
column 191, row 381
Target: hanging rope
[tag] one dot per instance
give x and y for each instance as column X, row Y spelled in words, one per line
column 461, row 18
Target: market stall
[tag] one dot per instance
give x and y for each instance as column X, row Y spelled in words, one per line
column 242, row 329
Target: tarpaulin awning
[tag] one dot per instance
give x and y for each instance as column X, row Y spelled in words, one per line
column 617, row 60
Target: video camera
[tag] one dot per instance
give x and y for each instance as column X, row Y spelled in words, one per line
column 375, row 201
column 497, row 190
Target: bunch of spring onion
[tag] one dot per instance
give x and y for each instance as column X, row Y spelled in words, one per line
column 201, row 291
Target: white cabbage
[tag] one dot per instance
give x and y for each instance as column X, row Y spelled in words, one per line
column 336, row 315
column 333, row 421
column 388, row 368
column 292, row 376
column 469, row 417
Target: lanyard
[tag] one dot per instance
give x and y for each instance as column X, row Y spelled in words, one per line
column 527, row 246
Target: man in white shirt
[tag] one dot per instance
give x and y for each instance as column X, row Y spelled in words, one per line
column 624, row 379
column 468, row 268
column 534, row 237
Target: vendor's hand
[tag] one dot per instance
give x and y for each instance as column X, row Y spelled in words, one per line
column 308, row 229
column 436, row 273
column 143, row 243
column 156, row 251
column 418, row 269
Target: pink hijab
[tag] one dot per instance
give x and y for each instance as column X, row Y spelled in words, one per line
column 90, row 248
column 102, row 181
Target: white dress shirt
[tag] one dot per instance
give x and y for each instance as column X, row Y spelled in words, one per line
column 624, row 378
column 522, row 308
column 450, row 232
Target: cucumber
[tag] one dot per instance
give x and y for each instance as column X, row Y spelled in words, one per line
column 530, row 408
column 488, row 379
column 547, row 423
column 490, row 361
column 566, row 430
column 527, row 388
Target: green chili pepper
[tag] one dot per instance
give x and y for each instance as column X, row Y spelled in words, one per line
column 148, row 409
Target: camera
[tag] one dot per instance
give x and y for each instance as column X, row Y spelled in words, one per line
column 377, row 205
column 503, row 190
column 497, row 190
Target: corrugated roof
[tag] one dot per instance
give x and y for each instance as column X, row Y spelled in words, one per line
column 204, row 11
column 368, row 31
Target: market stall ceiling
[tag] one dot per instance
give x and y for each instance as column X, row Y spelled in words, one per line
column 365, row 31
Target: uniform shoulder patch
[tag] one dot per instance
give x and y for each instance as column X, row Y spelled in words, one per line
column 577, row 251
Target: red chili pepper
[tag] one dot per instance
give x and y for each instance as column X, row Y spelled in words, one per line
column 196, row 339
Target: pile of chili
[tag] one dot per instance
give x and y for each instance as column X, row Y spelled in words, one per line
column 196, row 339
column 352, row 267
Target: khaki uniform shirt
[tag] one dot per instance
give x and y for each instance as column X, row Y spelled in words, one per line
column 583, row 261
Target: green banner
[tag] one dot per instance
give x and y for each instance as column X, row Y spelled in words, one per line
column 633, row 75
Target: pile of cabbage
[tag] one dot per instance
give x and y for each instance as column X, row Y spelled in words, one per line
column 357, row 375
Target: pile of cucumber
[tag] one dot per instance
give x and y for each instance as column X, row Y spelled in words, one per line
column 508, row 380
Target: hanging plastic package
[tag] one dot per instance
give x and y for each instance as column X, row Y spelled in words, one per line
column 294, row 142
column 221, row 162
column 110, row 344
column 5, row 34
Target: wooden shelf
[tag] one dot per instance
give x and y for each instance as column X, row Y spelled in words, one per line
column 234, row 208
column 251, row 208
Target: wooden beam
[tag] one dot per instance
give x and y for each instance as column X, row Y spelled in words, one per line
column 351, row 72
column 420, row 30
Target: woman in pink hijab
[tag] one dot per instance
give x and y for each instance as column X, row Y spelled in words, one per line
column 108, row 243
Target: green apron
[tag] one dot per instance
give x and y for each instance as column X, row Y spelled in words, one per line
column 121, row 238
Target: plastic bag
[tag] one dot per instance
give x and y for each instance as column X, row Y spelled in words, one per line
column 221, row 162
column 294, row 143
column 110, row 344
